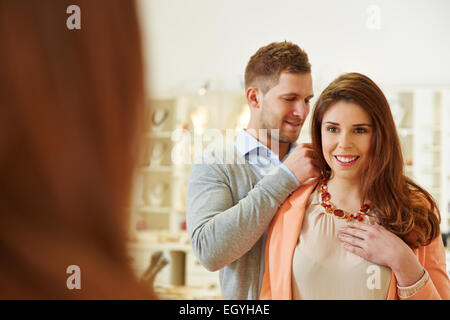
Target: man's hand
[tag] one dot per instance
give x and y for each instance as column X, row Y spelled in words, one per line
column 302, row 162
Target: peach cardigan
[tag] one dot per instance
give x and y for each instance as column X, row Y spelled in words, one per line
column 282, row 237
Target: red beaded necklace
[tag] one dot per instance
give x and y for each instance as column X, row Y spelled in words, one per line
column 331, row 208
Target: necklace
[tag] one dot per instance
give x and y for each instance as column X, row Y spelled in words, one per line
column 157, row 153
column 341, row 214
column 159, row 116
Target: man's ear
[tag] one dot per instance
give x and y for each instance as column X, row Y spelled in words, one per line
column 253, row 97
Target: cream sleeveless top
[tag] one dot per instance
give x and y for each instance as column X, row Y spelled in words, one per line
column 322, row 269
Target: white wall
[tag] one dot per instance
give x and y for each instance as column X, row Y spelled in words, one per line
column 189, row 42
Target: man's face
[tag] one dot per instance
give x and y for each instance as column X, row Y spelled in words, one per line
column 286, row 106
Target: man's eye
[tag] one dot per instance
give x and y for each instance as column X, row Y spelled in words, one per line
column 307, row 101
column 289, row 99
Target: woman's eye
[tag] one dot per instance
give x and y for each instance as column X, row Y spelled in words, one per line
column 360, row 130
column 332, row 129
column 289, row 99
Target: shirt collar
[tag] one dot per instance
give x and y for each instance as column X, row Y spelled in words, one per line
column 246, row 143
column 292, row 147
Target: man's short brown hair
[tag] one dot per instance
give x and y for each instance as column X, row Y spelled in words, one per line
column 264, row 67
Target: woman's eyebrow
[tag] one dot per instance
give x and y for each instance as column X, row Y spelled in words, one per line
column 355, row 125
column 362, row 124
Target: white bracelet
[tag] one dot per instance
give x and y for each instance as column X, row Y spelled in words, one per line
column 407, row 292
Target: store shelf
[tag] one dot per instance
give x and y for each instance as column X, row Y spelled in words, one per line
column 150, row 209
column 436, row 170
column 155, row 246
column 431, row 148
column 150, row 169
column 159, row 135
column 422, row 116
column 403, row 132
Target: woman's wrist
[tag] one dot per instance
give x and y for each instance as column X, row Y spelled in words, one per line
column 407, row 270
column 408, row 292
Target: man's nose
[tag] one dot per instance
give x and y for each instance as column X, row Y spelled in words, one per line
column 301, row 109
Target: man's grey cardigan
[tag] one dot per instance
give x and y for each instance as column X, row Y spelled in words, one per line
column 229, row 207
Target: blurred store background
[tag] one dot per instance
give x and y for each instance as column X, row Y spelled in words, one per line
column 196, row 55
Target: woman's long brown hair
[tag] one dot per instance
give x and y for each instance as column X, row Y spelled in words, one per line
column 401, row 205
column 70, row 108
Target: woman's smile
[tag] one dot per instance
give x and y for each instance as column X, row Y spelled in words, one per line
column 346, row 160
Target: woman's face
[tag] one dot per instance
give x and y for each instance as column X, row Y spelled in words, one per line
column 346, row 139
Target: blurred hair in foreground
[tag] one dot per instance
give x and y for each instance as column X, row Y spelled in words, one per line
column 71, row 103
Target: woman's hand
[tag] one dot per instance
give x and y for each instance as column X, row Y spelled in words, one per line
column 380, row 246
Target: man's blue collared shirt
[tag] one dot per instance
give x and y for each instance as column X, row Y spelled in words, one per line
column 259, row 156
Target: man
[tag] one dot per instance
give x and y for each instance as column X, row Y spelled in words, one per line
column 230, row 205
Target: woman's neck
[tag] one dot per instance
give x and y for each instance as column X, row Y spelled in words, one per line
column 345, row 193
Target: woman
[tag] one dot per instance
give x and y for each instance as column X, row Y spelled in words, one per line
column 364, row 230
column 71, row 103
